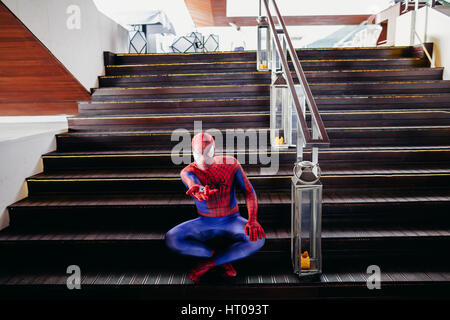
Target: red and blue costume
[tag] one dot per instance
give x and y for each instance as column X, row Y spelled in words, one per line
column 212, row 182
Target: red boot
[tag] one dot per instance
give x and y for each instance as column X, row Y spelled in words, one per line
column 201, row 269
column 229, row 270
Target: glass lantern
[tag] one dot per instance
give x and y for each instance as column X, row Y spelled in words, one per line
column 262, row 55
column 137, row 39
column 275, row 64
column 296, row 131
column 280, row 113
column 306, row 224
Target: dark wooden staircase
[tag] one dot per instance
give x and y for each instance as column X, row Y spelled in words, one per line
column 110, row 191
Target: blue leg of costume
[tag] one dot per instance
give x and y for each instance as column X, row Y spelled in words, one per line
column 187, row 238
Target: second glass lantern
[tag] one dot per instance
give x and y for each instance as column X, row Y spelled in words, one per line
column 280, row 112
column 262, row 55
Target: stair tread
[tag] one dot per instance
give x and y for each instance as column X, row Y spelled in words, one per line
column 271, row 234
column 246, row 113
column 169, row 132
column 259, row 97
column 130, row 200
column 266, row 84
column 276, row 277
column 254, row 61
column 168, row 151
column 251, row 172
column 421, row 69
column 160, row 115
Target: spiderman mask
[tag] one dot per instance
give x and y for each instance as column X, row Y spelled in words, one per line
column 203, row 148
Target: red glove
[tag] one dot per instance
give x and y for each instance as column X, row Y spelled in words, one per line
column 200, row 193
column 254, row 231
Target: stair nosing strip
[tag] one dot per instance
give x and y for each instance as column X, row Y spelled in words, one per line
column 418, row 69
column 254, row 61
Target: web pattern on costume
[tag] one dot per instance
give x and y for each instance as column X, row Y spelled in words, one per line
column 224, row 174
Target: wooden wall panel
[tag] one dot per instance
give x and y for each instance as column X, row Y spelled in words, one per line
column 32, row 80
column 201, row 12
column 214, row 13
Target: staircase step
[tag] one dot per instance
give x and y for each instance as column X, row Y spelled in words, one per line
column 186, row 91
column 340, row 137
column 262, row 88
column 378, row 52
column 164, row 121
column 403, row 101
column 388, row 136
column 372, row 157
column 256, row 119
column 261, row 104
column 9, row 237
column 260, row 277
column 260, row 284
column 126, row 247
column 255, row 76
column 250, row 65
column 250, row 104
column 55, row 212
column 168, row 181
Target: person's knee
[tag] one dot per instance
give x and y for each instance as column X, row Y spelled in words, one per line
column 256, row 245
column 172, row 239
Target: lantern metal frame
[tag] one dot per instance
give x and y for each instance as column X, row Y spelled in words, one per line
column 280, row 112
column 190, row 45
column 275, row 59
column 214, row 39
column 263, row 52
column 139, row 32
column 198, row 42
column 306, row 221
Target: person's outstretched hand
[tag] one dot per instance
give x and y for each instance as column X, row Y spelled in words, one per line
column 200, row 193
column 254, row 231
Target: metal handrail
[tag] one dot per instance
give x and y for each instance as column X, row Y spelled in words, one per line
column 322, row 140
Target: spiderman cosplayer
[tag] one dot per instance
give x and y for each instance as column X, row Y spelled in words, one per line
column 211, row 181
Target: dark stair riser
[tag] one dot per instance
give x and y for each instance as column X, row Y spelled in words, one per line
column 339, row 138
column 164, row 217
column 166, row 80
column 253, row 77
column 381, row 102
column 354, row 88
column 189, row 106
column 331, row 120
column 184, row 91
column 424, row 289
column 389, row 137
column 427, row 102
column 308, row 65
column 164, row 122
column 270, row 183
column 251, row 55
column 328, row 160
column 154, row 253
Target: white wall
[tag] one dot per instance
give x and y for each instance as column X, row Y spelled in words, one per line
column 438, row 32
column 431, row 26
column 80, row 50
column 22, row 142
column 301, row 36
